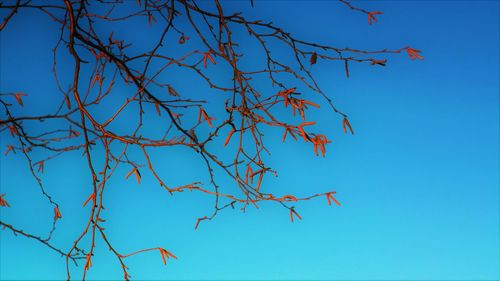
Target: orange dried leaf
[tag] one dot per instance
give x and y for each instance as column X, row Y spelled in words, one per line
column 249, row 171
column 371, row 16
column 171, row 255
column 253, row 174
column 346, row 124
column 205, row 116
column 253, row 203
column 303, row 133
column 137, row 174
column 151, row 19
column 259, row 182
column 229, row 137
column 414, row 53
column 91, row 197
column 157, row 108
column 97, row 77
column 315, row 148
column 129, row 173
column 183, row 39
column 41, row 166
column 330, row 196
column 314, row 58
column 284, row 135
column 172, row 91
column 311, row 103
column 18, row 97
column 68, row 103
column 301, row 129
column 378, row 62
column 211, row 59
column 206, row 56
column 293, row 212
column 3, row 202
column 88, row 262
column 57, row 213
column 307, row 124
column 13, row 131
column 165, row 255
column 335, row 200
column 9, row 149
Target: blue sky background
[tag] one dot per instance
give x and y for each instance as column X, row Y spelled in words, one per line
column 419, row 181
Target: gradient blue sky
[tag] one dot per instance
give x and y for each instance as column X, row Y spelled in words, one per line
column 419, row 181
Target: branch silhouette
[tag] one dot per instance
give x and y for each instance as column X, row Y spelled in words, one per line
column 202, row 39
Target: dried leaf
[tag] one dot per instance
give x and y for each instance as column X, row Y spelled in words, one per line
column 97, row 78
column 284, row 135
column 137, row 175
column 414, row 53
column 9, row 149
column 314, row 58
column 346, row 124
column 378, row 62
column 68, row 103
column 18, row 96
column 335, row 200
column 91, row 197
column 88, row 262
column 3, row 202
column 371, row 16
column 206, row 56
column 183, row 39
column 330, row 196
column 301, row 129
column 229, row 137
column 57, row 213
column 293, row 212
column 41, row 166
column 172, row 91
column 157, row 108
column 151, row 19
column 13, row 131
column 205, row 116
column 165, row 255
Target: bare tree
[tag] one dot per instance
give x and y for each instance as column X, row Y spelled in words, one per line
column 102, row 61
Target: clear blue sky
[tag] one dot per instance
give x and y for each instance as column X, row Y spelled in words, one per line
column 419, row 181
